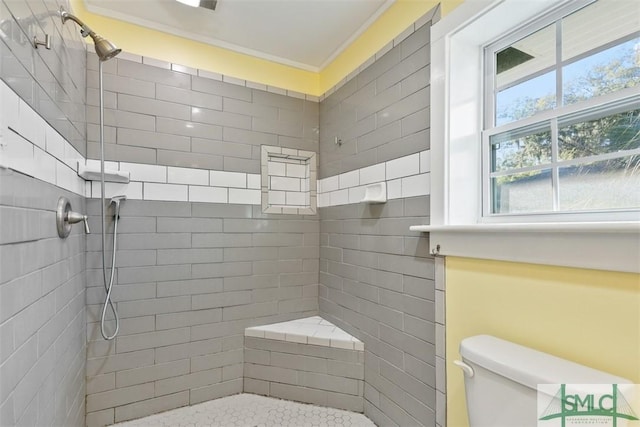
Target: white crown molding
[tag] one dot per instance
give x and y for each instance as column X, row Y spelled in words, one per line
column 200, row 38
column 387, row 4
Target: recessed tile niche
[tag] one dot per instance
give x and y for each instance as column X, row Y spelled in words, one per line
column 288, row 181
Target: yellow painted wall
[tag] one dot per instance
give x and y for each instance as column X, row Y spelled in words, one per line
column 178, row 50
column 395, row 20
column 156, row 44
column 587, row 316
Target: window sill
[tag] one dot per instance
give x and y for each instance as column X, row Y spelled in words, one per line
column 560, row 227
column 612, row 246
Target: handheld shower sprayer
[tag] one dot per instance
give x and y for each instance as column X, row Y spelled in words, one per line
column 104, row 48
column 108, row 280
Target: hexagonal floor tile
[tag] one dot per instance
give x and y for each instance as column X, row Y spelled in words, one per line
column 250, row 410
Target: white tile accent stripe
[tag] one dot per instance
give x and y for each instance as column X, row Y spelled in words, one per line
column 228, row 179
column 187, row 176
column 167, row 192
column 406, row 176
column 253, row 181
column 187, row 184
column 30, row 145
column 349, row 179
column 403, row 166
column 371, row 174
column 141, row 172
column 208, row 194
column 245, row 197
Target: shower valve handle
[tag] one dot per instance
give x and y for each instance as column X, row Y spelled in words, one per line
column 75, row 217
column 65, row 217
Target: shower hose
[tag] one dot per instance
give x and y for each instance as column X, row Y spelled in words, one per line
column 108, row 285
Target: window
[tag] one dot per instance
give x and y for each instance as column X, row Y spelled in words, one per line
column 562, row 115
column 475, row 152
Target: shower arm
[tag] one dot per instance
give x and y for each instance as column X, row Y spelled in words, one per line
column 104, row 48
column 84, row 29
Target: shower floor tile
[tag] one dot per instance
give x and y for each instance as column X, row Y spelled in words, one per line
column 250, row 410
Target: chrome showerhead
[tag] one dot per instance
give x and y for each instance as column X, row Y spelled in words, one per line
column 104, row 48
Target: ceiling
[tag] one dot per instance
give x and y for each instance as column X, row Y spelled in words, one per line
column 306, row 34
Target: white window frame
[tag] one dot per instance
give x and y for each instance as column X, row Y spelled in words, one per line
column 457, row 103
column 610, row 103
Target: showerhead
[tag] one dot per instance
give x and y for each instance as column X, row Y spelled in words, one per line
column 104, row 48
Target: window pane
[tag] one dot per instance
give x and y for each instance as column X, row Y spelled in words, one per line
column 527, row 56
column 516, row 149
column 607, row 71
column 609, row 184
column 525, row 99
column 597, row 24
column 609, row 134
column 522, row 193
column 593, row 51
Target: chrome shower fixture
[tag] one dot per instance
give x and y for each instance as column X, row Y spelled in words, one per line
column 116, row 200
column 108, row 282
column 104, row 48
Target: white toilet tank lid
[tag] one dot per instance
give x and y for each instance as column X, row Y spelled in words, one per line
column 528, row 366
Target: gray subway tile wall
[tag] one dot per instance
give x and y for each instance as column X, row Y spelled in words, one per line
column 373, row 112
column 305, row 373
column 377, row 277
column 43, row 78
column 42, row 286
column 42, row 307
column 382, row 292
column 192, row 277
column 175, row 118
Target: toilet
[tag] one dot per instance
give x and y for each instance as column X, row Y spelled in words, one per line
column 501, row 380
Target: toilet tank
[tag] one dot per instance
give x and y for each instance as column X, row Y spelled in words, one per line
column 503, row 389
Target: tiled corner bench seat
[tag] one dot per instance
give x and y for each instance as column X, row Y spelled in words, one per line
column 306, row 360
